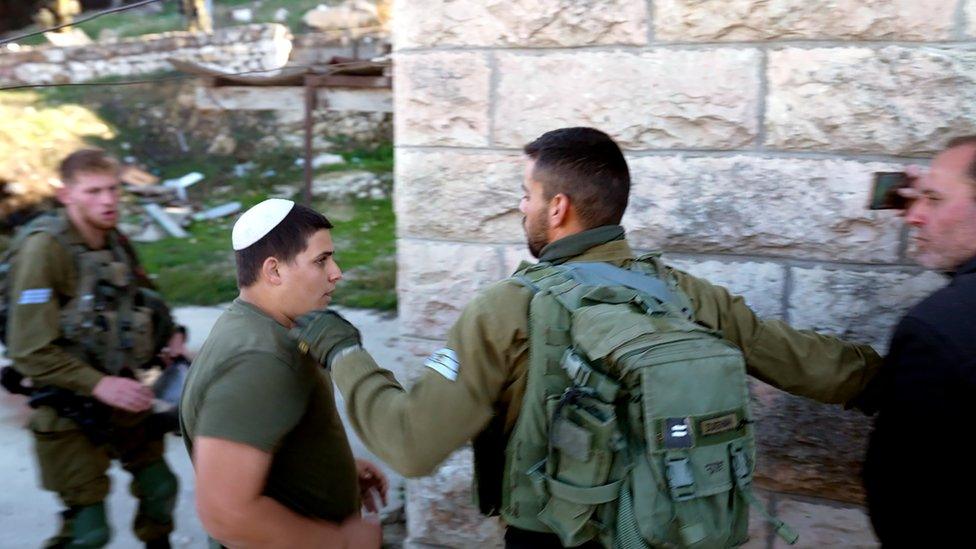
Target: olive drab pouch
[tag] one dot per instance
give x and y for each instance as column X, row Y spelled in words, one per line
column 635, row 428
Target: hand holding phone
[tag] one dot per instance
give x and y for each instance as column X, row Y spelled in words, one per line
column 886, row 194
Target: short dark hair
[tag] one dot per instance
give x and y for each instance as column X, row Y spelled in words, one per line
column 87, row 161
column 963, row 141
column 288, row 239
column 586, row 165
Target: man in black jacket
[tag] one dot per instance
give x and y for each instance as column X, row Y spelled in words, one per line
column 918, row 473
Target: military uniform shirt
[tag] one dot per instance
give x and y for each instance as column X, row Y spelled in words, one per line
column 42, row 280
column 414, row 431
column 250, row 385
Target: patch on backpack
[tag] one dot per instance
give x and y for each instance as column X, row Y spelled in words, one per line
column 717, row 425
column 678, row 433
column 34, row 296
column 444, row 362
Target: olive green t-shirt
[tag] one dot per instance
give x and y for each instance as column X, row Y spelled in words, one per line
column 249, row 384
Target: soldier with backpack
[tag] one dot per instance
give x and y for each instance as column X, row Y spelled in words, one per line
column 605, row 393
column 79, row 315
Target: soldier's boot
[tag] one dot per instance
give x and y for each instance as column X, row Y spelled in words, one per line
column 156, row 487
column 89, row 527
column 61, row 539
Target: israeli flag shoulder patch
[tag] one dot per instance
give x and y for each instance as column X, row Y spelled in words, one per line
column 444, row 362
column 34, row 296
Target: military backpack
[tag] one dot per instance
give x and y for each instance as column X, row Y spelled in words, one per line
column 635, row 428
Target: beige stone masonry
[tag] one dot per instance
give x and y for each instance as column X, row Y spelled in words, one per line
column 803, row 208
column 502, row 23
column 750, row 20
column 893, row 100
column 466, row 196
column 437, row 279
column 650, row 100
column 440, row 510
column 858, row 305
column 970, row 15
column 822, row 525
column 442, row 99
column 250, row 47
column 760, row 284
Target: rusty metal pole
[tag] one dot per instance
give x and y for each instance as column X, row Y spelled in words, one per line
column 310, row 87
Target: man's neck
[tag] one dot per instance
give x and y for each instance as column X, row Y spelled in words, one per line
column 94, row 237
column 262, row 300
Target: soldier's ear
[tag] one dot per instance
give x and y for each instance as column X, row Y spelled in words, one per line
column 559, row 210
column 63, row 194
column 270, row 272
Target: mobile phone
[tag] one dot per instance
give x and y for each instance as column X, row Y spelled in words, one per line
column 884, row 194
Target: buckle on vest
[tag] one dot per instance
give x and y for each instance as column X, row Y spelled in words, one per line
column 575, row 367
column 681, row 478
column 740, row 464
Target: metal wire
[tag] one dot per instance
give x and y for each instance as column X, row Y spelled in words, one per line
column 79, row 21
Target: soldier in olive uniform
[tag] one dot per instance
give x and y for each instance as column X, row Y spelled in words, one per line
column 80, row 319
column 272, row 461
column 576, row 189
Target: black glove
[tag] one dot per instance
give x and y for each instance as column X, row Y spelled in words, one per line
column 324, row 334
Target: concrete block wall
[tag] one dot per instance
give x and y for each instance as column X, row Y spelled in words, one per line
column 751, row 128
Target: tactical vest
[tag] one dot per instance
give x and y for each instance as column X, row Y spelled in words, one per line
column 635, row 426
column 109, row 323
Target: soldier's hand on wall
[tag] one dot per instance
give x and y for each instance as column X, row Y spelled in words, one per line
column 325, row 334
column 123, row 393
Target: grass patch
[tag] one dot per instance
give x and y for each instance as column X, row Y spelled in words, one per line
column 365, row 250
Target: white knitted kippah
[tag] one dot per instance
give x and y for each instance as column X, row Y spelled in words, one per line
column 258, row 221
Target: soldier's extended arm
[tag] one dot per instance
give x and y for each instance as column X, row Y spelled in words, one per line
column 42, row 272
column 414, row 431
column 801, row 362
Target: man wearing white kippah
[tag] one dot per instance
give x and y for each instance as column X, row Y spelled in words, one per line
column 272, row 461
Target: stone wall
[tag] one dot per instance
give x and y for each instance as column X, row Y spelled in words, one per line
column 244, row 48
column 751, row 128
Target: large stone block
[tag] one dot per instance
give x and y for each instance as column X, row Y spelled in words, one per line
column 657, row 99
column 440, row 512
column 805, row 447
column 893, row 100
column 761, row 284
column 442, row 99
column 970, row 13
column 857, row 305
column 749, row 205
column 467, row 196
column 748, row 20
column 544, row 23
column 435, row 280
column 821, row 524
